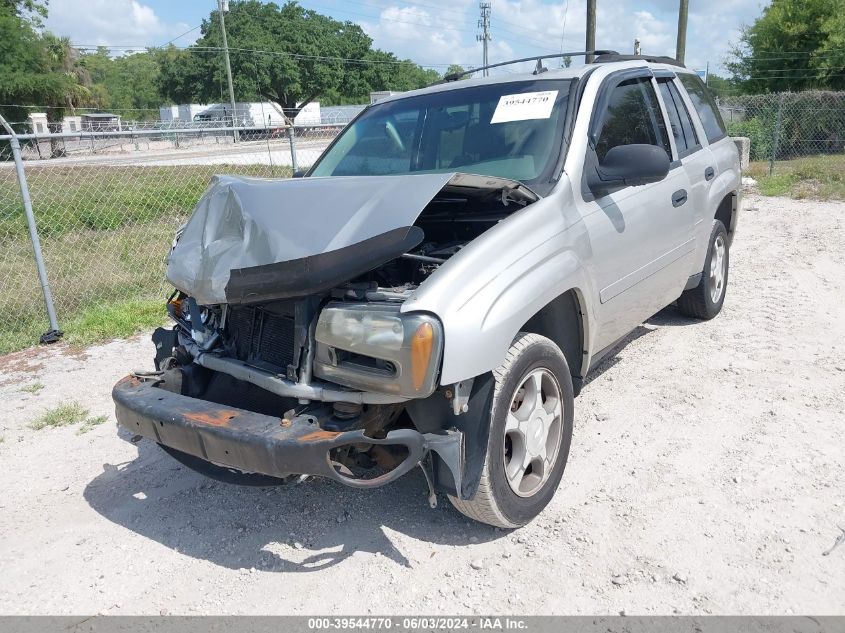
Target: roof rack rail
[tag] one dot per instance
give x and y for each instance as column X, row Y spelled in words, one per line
column 538, row 58
column 606, row 58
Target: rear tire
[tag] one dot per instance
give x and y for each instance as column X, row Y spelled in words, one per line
column 706, row 299
column 530, row 434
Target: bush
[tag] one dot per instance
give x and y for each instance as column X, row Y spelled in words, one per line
column 812, row 122
column 760, row 133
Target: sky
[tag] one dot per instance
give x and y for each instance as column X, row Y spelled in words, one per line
column 436, row 33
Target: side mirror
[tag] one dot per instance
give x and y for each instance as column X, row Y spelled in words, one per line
column 629, row 166
column 299, row 173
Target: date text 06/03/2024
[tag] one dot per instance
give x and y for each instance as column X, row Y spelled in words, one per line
column 417, row 623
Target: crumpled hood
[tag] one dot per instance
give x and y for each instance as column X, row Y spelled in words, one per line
column 256, row 239
column 244, row 229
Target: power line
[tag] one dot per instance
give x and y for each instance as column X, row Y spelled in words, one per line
column 180, row 36
column 210, row 49
column 810, row 53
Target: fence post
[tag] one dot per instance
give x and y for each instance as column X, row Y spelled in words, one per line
column 54, row 333
column 292, row 139
column 776, row 140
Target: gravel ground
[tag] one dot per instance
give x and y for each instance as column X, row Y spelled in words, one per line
column 706, row 476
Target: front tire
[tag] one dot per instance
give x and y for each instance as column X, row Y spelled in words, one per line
column 706, row 299
column 530, row 435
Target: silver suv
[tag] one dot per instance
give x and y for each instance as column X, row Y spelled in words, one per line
column 436, row 288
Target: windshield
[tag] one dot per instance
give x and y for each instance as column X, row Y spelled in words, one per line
column 511, row 130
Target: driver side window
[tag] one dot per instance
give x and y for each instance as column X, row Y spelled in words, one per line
column 633, row 116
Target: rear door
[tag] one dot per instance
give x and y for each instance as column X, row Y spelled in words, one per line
column 640, row 235
column 695, row 159
column 718, row 159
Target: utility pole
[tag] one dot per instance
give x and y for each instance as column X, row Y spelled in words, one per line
column 681, row 50
column 591, row 30
column 223, row 7
column 484, row 36
column 637, row 49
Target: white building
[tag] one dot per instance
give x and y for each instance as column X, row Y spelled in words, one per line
column 378, row 95
column 253, row 115
column 39, row 125
column 184, row 113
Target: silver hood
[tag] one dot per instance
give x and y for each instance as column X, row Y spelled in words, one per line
column 255, row 239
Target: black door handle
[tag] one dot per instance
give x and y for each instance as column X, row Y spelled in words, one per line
column 679, row 197
column 709, row 173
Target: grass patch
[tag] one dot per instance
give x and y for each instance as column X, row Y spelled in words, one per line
column 812, row 177
column 90, row 423
column 114, row 320
column 63, row 415
column 105, row 233
column 93, row 324
column 34, row 387
column 68, row 198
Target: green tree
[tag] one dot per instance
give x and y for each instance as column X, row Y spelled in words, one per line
column 288, row 55
column 301, row 56
column 455, row 69
column 127, row 84
column 720, row 86
column 35, row 70
column 794, row 45
column 30, row 11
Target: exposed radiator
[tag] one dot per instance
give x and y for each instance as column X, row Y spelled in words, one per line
column 263, row 337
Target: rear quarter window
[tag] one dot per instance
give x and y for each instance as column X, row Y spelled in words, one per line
column 705, row 105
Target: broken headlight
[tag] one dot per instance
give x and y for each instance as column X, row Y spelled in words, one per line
column 376, row 348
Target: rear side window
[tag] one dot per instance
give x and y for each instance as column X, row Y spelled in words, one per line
column 705, row 105
column 632, row 116
column 686, row 139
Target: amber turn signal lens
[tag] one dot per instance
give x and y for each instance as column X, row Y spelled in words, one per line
column 177, row 306
column 421, row 345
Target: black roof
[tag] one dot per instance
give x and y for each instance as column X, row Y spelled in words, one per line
column 654, row 59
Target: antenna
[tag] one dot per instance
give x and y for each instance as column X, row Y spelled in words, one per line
column 484, row 36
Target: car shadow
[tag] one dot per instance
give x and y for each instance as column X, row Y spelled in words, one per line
column 298, row 527
column 670, row 316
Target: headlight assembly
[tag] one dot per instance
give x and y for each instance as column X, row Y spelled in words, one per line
column 376, row 348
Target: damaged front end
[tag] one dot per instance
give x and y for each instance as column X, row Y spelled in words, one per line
column 290, row 354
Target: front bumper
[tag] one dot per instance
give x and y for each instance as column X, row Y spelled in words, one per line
column 257, row 443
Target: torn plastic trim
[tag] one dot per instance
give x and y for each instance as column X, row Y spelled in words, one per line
column 289, row 389
column 257, row 443
column 321, row 272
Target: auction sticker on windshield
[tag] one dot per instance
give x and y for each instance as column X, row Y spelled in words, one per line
column 525, row 106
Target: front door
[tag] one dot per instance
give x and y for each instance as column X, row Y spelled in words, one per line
column 641, row 235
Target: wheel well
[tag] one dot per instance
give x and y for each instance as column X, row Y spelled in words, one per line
column 561, row 320
column 725, row 212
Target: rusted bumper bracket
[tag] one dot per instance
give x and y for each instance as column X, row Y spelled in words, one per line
column 257, row 443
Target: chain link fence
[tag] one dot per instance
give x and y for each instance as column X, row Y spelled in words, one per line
column 106, row 207
column 107, row 203
column 788, row 125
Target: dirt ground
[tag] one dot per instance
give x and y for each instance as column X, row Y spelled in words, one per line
column 707, row 475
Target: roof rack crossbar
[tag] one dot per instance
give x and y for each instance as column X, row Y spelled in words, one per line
column 534, row 58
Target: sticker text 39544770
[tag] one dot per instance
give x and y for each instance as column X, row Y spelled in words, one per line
column 525, row 106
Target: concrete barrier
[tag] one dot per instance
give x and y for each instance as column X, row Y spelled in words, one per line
column 743, row 145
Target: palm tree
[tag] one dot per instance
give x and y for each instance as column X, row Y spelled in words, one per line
column 63, row 58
